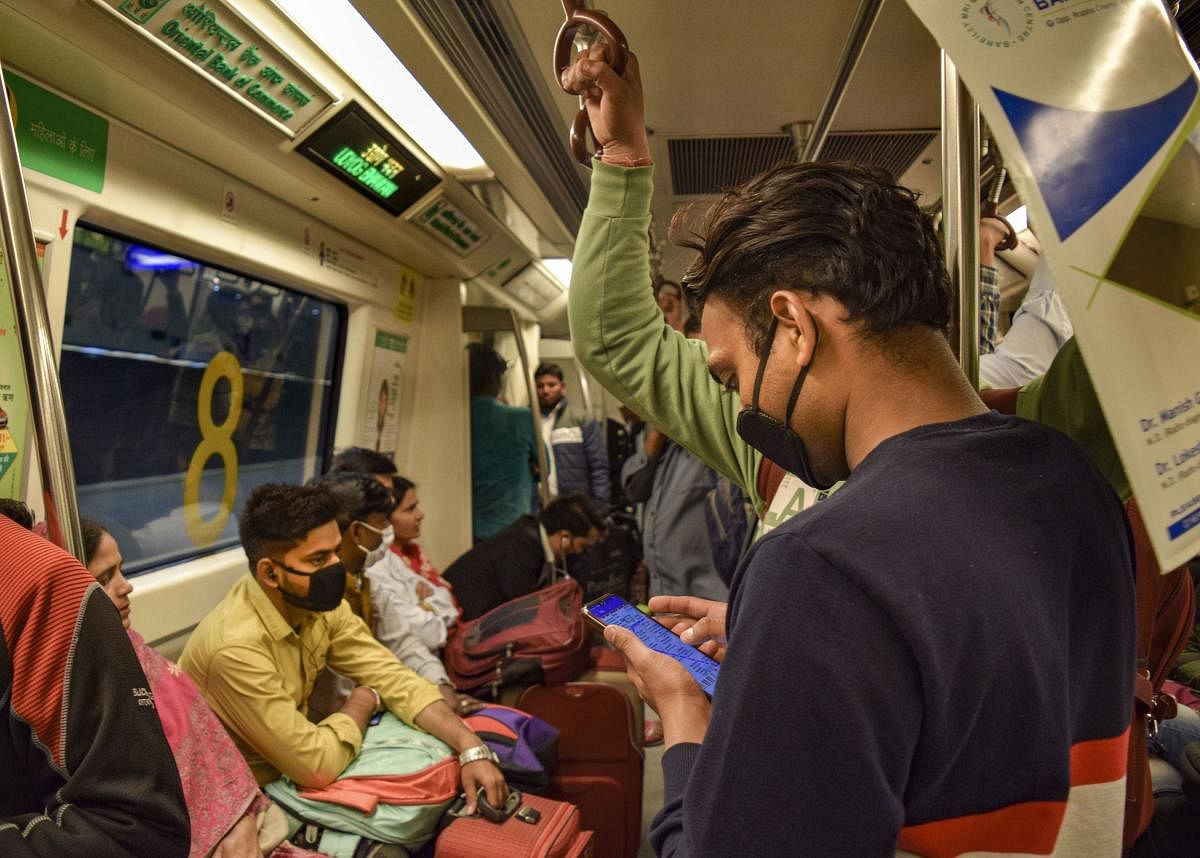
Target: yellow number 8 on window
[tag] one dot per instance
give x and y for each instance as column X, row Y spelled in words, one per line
column 215, row 441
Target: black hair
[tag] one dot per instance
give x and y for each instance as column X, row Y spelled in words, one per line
column 400, row 487
column 360, row 460
column 587, row 509
column 487, row 368
column 276, row 518
column 92, row 534
column 837, row 229
column 548, row 369
column 565, row 514
column 357, row 496
column 691, row 325
column 18, row 511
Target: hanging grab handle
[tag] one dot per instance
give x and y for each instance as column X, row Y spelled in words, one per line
column 577, row 18
column 989, row 210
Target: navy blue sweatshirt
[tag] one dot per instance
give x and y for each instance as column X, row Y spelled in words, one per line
column 938, row 659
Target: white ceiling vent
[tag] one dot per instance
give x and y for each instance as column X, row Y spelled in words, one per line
column 709, row 165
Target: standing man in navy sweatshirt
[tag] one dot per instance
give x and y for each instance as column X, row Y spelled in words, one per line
column 937, row 659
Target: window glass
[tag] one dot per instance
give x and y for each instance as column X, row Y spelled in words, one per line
column 186, row 386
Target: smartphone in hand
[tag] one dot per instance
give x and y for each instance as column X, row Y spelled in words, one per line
column 612, row 610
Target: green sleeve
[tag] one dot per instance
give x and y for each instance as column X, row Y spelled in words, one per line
column 1187, row 669
column 1065, row 399
column 620, row 336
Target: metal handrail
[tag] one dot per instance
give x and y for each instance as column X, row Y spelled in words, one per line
column 960, row 205
column 37, row 349
column 860, row 32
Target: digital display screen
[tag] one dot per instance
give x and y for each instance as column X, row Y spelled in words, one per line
column 615, row 611
column 356, row 149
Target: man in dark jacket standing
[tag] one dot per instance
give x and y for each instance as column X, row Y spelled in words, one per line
column 86, row 768
column 574, row 441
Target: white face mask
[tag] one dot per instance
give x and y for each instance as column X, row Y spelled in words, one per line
column 374, row 555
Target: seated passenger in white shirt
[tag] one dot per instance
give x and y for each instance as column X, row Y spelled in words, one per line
column 412, row 607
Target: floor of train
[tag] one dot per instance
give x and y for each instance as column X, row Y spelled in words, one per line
column 652, row 792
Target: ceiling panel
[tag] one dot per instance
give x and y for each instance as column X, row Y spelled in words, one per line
column 712, row 68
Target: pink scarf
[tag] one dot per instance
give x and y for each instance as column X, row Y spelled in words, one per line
column 218, row 786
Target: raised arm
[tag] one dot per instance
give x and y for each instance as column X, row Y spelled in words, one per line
column 616, row 327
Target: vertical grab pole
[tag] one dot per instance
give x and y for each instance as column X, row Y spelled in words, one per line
column 37, row 349
column 542, row 452
column 960, row 207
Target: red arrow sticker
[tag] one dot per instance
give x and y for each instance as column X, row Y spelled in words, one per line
column 62, row 226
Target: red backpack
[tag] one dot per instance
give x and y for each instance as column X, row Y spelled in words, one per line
column 537, row 639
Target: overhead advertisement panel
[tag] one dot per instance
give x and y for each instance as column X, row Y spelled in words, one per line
column 218, row 42
column 1094, row 106
column 356, row 149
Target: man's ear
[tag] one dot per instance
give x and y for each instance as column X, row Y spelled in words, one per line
column 264, row 571
column 797, row 327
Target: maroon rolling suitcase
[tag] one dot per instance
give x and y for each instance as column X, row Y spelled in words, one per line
column 557, row 834
column 600, row 759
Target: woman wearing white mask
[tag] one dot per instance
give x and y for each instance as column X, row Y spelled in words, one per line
column 366, row 507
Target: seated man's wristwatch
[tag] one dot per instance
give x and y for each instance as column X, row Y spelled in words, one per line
column 479, row 752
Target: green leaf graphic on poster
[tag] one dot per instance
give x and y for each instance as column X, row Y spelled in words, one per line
column 8, row 447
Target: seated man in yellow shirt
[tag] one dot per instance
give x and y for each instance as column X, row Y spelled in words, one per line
column 257, row 654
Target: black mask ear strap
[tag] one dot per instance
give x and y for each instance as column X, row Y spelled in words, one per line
column 762, row 363
column 791, row 406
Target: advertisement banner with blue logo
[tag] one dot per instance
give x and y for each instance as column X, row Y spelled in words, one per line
column 1093, row 104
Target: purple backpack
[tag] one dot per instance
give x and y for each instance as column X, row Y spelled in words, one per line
column 527, row 746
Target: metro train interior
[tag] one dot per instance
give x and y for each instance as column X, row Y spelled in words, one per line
column 267, row 231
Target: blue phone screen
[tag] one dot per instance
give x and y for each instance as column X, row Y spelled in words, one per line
column 615, row 611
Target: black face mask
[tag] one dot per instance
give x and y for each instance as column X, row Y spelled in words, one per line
column 325, row 588
column 778, row 441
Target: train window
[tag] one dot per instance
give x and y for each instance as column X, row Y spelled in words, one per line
column 187, row 385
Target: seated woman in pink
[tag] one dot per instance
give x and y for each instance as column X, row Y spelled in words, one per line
column 230, row 817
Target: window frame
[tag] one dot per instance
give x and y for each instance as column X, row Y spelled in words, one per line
column 328, row 424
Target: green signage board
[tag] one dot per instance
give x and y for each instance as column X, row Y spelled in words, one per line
column 443, row 220
column 392, row 342
column 358, row 151
column 57, row 137
column 214, row 39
